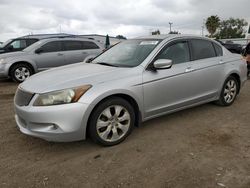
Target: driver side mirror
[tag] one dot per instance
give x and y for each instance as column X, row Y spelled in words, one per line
column 162, row 64
column 38, row 51
column 10, row 48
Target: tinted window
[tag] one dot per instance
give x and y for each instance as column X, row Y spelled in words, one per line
column 218, row 50
column 72, row 45
column 178, row 53
column 52, row 47
column 202, row 49
column 31, row 41
column 89, row 45
column 18, row 44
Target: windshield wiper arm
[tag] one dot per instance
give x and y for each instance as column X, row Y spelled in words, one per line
column 107, row 64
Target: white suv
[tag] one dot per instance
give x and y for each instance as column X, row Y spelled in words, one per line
column 45, row 54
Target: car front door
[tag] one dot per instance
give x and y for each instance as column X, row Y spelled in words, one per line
column 49, row 55
column 169, row 89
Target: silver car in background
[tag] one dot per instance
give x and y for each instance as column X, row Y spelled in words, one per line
column 45, row 54
column 132, row 82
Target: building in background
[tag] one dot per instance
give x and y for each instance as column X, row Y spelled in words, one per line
column 102, row 39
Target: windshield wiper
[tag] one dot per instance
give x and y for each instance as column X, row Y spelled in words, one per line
column 107, row 64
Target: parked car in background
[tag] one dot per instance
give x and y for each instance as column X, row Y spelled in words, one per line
column 45, row 54
column 135, row 80
column 21, row 43
column 232, row 47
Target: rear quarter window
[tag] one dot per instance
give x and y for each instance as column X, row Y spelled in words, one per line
column 218, row 49
column 202, row 49
column 89, row 45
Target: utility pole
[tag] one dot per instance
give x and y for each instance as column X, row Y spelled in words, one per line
column 170, row 24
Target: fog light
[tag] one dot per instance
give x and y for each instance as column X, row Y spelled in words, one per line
column 53, row 127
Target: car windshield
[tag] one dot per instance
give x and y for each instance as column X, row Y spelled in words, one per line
column 5, row 43
column 129, row 53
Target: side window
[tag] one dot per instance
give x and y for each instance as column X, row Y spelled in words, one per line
column 202, row 49
column 18, row 44
column 89, row 45
column 178, row 53
column 72, row 45
column 31, row 41
column 218, row 50
column 52, row 47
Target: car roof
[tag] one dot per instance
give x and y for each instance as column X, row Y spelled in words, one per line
column 67, row 38
column 171, row 36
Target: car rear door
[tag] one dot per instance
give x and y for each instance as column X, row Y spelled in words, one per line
column 73, row 50
column 77, row 51
column 91, row 49
column 206, row 67
column 50, row 55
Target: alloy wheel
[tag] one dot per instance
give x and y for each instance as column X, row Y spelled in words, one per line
column 21, row 73
column 113, row 123
column 230, row 91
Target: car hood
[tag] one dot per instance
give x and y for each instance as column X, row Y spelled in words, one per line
column 73, row 76
column 11, row 54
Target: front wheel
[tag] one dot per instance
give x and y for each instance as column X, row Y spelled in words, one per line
column 20, row 72
column 111, row 121
column 229, row 92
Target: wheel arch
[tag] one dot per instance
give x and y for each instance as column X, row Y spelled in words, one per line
column 237, row 77
column 22, row 62
column 128, row 98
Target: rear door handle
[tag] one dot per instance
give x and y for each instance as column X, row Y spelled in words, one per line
column 59, row 54
column 221, row 62
column 189, row 69
column 84, row 52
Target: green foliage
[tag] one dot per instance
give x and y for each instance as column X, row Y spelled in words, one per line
column 107, row 43
column 157, row 32
column 212, row 24
column 232, row 28
column 174, row 32
column 120, row 37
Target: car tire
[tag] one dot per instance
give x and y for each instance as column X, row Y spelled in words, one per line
column 111, row 121
column 229, row 92
column 20, row 72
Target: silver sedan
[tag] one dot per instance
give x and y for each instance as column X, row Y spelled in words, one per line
column 132, row 82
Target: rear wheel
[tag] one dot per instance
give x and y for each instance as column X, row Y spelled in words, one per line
column 111, row 121
column 229, row 92
column 20, row 72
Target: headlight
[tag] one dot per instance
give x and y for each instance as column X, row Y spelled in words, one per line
column 65, row 96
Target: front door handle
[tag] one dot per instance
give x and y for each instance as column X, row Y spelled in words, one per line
column 189, row 69
column 59, row 54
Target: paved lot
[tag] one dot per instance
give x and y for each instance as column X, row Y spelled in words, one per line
column 206, row 146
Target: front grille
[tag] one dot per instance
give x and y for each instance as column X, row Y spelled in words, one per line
column 23, row 98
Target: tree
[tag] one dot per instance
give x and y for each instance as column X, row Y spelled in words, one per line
column 121, row 37
column 174, row 32
column 107, row 43
column 212, row 24
column 232, row 28
column 157, row 32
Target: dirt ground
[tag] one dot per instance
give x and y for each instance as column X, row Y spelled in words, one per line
column 206, row 146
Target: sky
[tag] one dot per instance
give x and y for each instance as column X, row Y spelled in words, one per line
column 131, row 18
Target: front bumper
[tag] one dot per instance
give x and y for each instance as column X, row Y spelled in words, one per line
column 59, row 123
column 3, row 71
